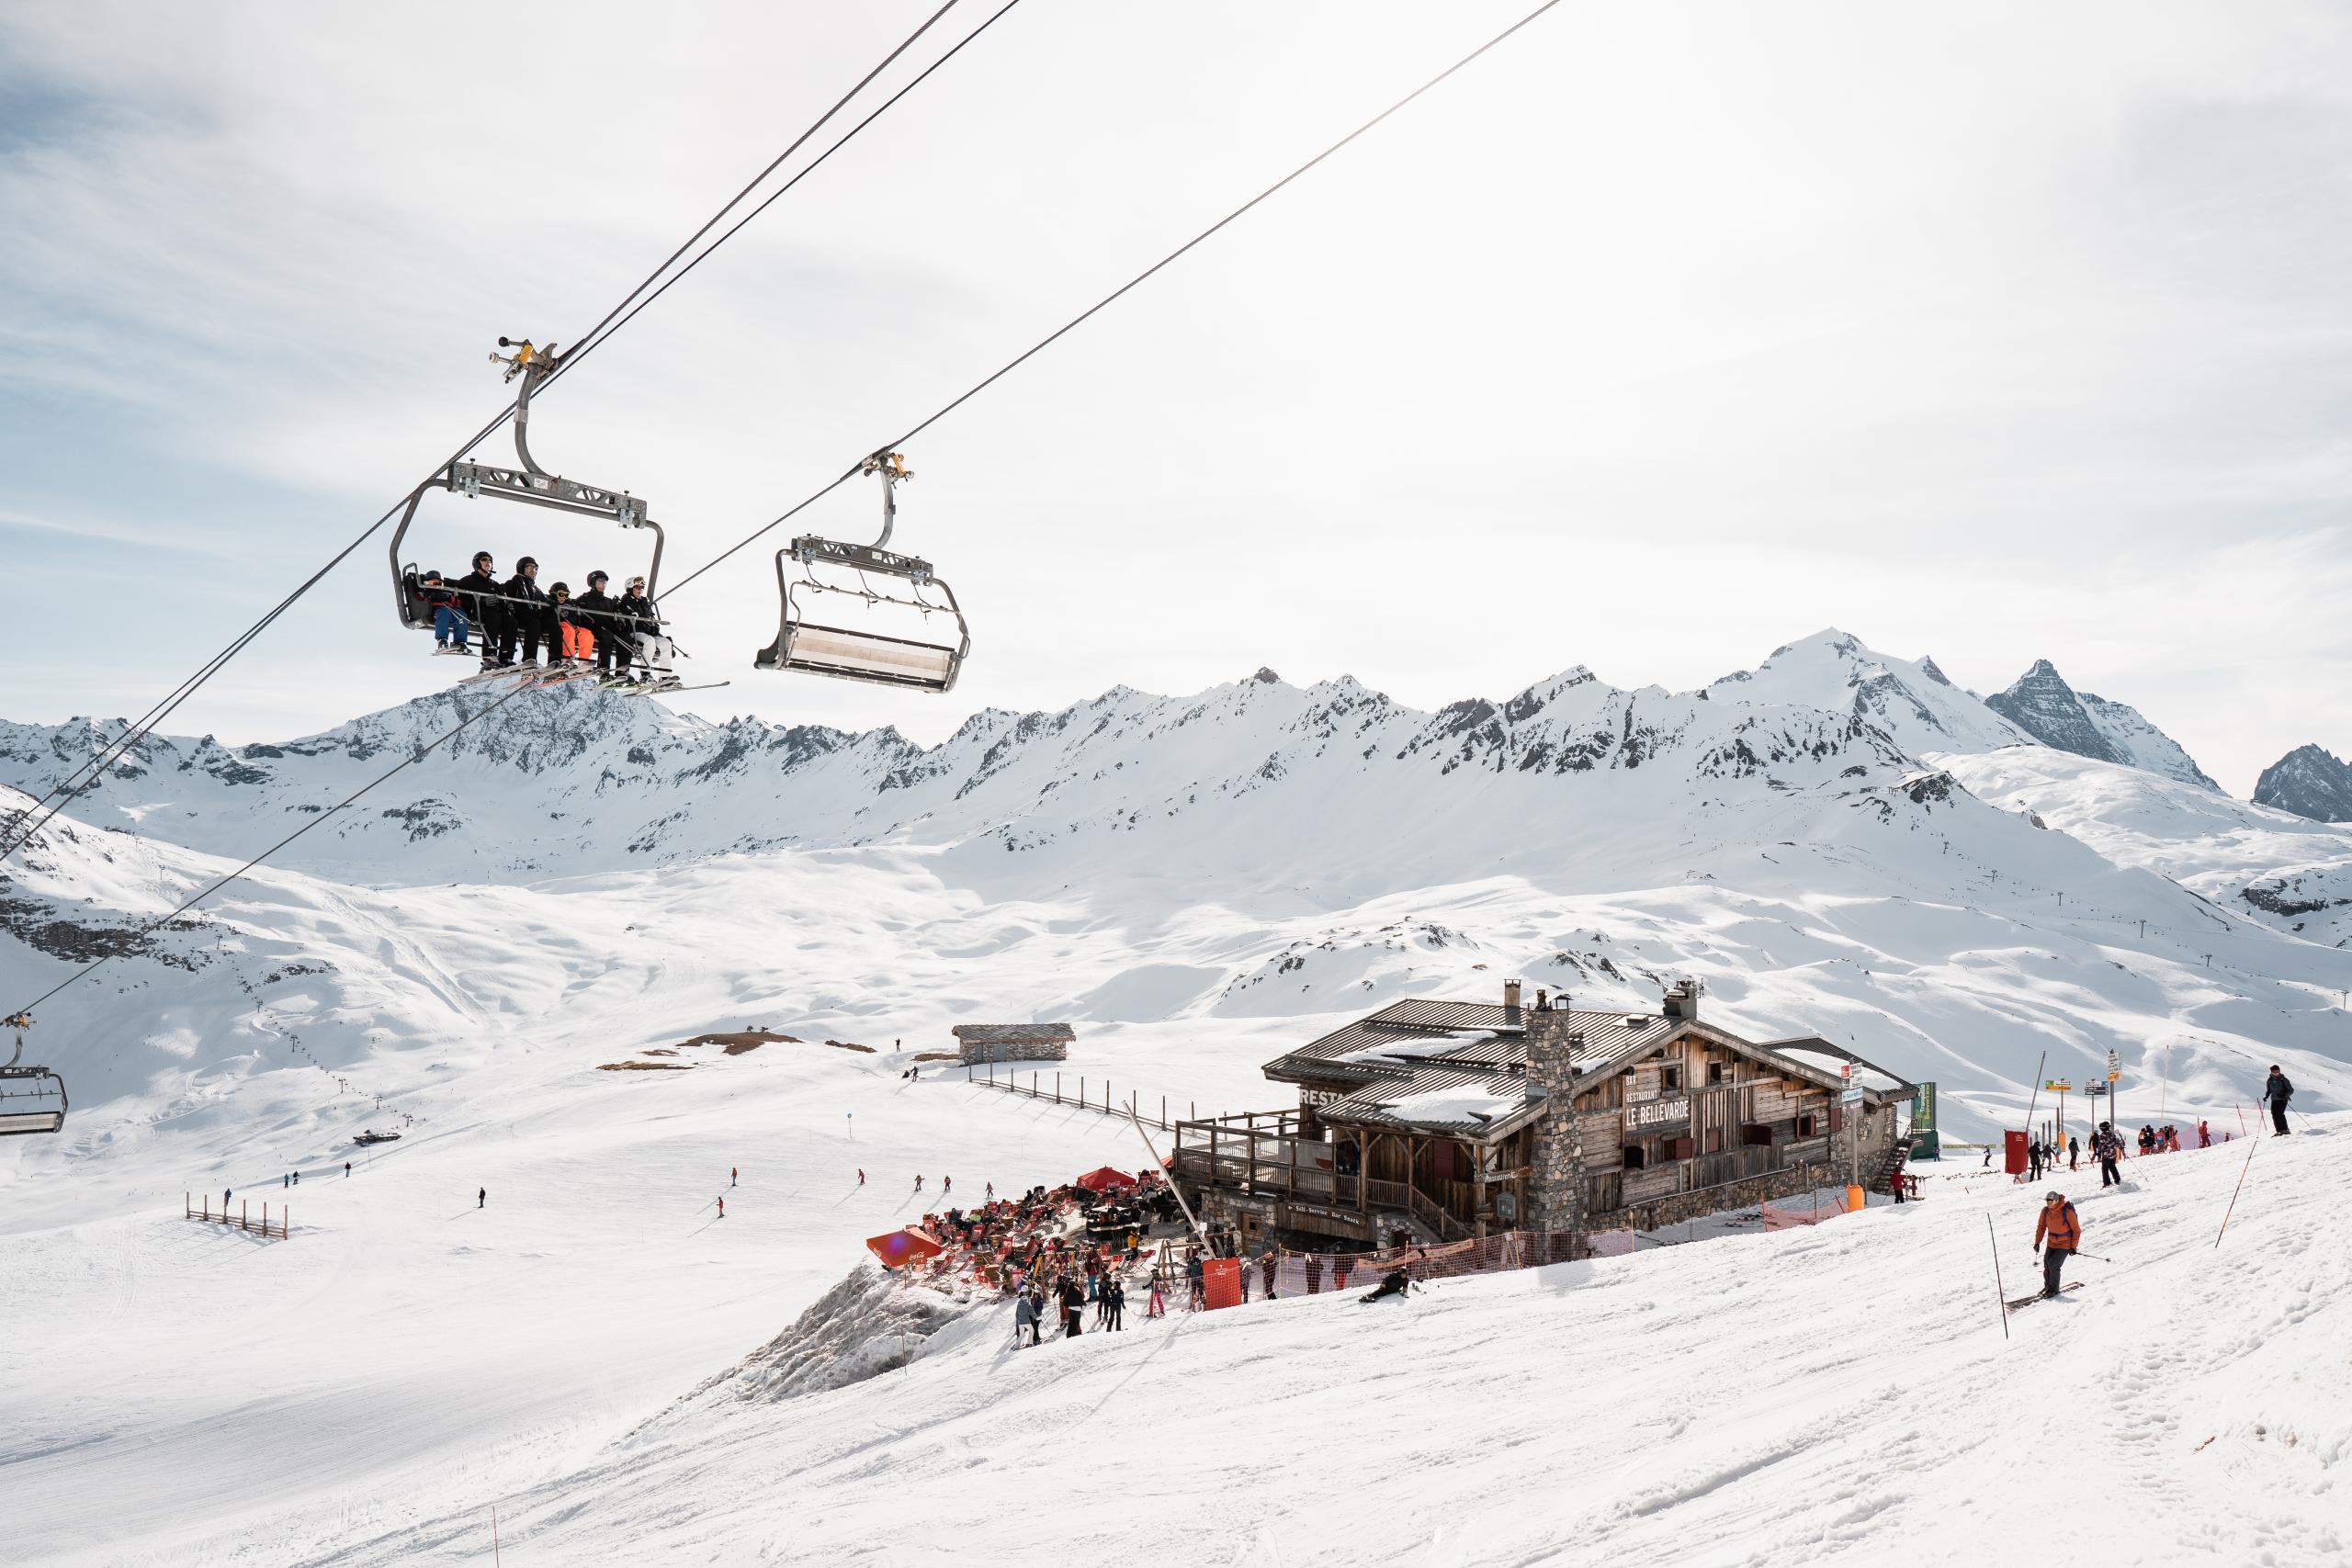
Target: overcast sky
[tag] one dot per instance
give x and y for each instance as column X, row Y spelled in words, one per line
column 1660, row 337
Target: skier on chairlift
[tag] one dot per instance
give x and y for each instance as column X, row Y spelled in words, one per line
column 476, row 596
column 528, row 617
column 593, row 611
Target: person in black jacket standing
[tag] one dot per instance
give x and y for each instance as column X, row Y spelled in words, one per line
column 529, row 615
column 478, row 597
column 593, row 611
column 2277, row 1092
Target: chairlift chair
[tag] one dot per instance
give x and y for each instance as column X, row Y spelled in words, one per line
column 848, row 653
column 529, row 482
column 32, row 1099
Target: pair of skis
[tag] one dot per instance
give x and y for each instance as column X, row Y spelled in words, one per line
column 2037, row 1296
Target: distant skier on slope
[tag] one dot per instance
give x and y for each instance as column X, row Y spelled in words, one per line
column 2074, row 1152
column 1395, row 1283
column 732, row 1174
column 918, row 1182
column 481, row 1199
column 2063, row 1228
column 2276, row 1092
column 861, row 1176
column 722, row 1205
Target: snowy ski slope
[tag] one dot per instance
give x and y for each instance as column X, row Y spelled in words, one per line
column 1836, row 842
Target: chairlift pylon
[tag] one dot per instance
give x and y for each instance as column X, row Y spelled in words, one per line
column 527, row 483
column 848, row 653
column 32, row 1099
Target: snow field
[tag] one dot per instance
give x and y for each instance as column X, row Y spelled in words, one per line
column 181, row 1394
column 1828, row 1395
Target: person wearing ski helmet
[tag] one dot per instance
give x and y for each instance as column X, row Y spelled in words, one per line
column 572, row 646
column 478, row 595
column 529, row 616
column 2063, row 1228
column 593, row 611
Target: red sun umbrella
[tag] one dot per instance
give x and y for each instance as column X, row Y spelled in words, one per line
column 902, row 1248
column 1104, row 1179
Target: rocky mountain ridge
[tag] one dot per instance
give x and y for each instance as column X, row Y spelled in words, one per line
column 2045, row 707
column 2310, row 782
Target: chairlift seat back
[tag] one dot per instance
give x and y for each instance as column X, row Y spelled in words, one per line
column 31, row 1122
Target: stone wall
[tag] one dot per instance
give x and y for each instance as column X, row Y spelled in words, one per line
column 1739, row 1194
column 1555, row 1183
column 975, row 1050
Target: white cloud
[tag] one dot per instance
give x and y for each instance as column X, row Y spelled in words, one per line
column 1651, row 340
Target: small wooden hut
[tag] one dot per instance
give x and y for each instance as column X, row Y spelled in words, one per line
column 978, row 1043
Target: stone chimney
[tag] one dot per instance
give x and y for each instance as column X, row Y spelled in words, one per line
column 1555, row 1184
column 1682, row 999
column 1511, row 1003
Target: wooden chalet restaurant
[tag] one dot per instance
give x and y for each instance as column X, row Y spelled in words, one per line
column 1455, row 1120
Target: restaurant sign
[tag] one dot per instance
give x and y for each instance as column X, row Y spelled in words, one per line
column 1658, row 1113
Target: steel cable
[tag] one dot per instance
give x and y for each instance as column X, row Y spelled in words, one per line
column 1082, row 316
column 86, row 775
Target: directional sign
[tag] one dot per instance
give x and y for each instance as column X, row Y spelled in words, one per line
column 1851, row 1096
column 2114, row 1060
column 2114, row 1077
column 2058, row 1086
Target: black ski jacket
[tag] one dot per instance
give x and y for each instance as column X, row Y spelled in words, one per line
column 636, row 614
column 2276, row 1087
column 594, row 611
column 472, row 589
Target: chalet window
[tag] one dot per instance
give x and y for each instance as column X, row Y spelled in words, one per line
column 1715, row 1072
column 1837, row 1118
column 1714, row 1140
column 1636, row 1158
column 1755, row 1136
column 1678, row 1148
column 1806, row 1125
column 1670, row 1079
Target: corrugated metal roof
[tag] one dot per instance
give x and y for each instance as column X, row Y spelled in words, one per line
column 1015, row 1033
column 1474, row 1104
column 1418, row 1013
column 1390, row 1048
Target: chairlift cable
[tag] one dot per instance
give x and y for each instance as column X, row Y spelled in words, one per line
column 415, row 757
column 87, row 773
column 1087, row 314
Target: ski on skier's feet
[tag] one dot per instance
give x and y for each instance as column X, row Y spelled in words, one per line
column 2037, row 1296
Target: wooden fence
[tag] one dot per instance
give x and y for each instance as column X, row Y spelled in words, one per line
column 1048, row 1087
column 199, row 1209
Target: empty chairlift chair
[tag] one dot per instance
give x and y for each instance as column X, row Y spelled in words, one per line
column 866, row 653
column 32, row 1100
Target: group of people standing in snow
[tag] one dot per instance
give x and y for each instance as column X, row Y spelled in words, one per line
column 513, row 618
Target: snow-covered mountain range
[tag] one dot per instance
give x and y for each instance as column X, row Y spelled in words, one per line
column 1836, row 841
column 1257, row 850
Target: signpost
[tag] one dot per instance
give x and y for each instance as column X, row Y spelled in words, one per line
column 2114, row 1075
column 2059, row 1086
